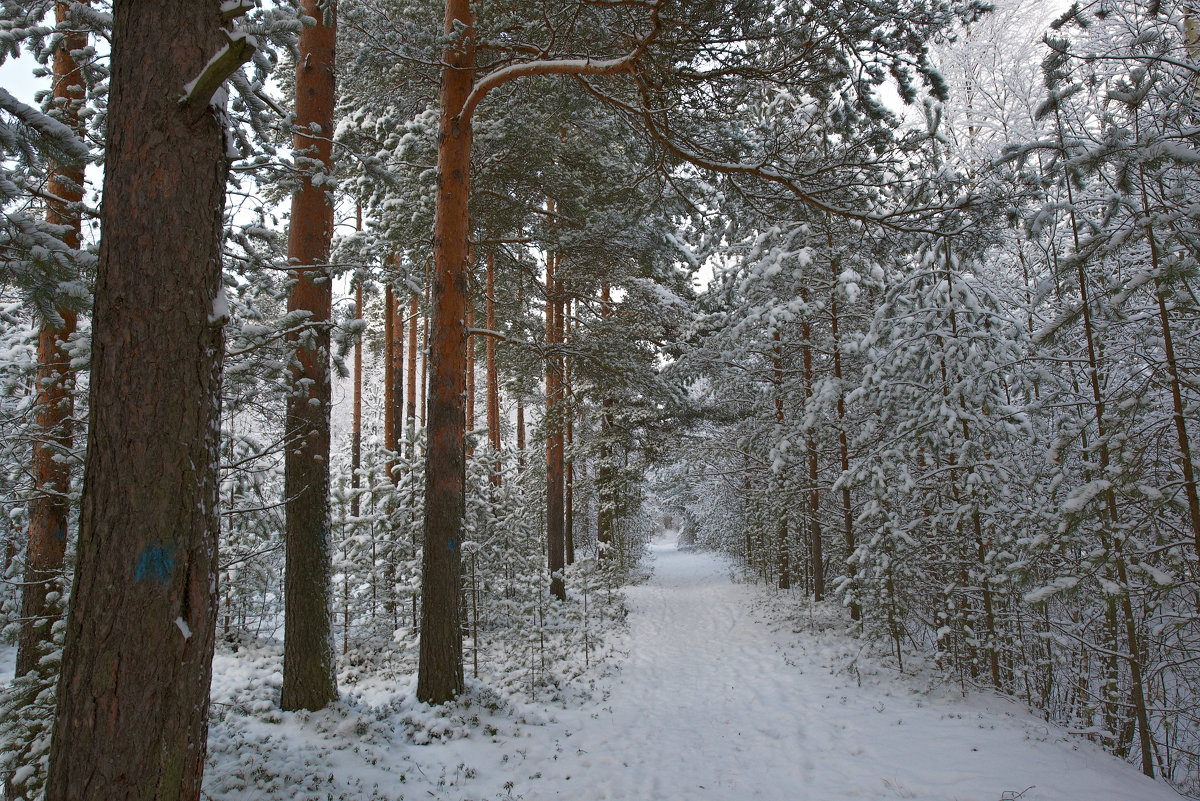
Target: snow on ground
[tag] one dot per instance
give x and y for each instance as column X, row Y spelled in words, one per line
column 719, row 698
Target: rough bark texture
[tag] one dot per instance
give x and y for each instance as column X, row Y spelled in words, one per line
column 569, row 433
column 440, row 673
column 396, row 379
column 555, row 517
column 49, row 509
column 493, row 378
column 308, row 667
column 389, row 376
column 605, row 515
column 470, row 367
column 133, row 694
column 356, row 430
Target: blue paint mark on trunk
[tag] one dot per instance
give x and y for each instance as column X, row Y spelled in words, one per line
column 156, row 563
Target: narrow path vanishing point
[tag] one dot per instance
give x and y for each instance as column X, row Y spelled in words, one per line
column 714, row 704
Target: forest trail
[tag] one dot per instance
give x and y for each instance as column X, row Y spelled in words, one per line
column 715, row 703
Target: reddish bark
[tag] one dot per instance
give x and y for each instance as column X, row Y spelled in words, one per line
column 568, row 465
column 493, row 379
column 555, row 517
column 606, row 514
column 470, row 367
column 396, row 379
column 308, row 667
column 49, row 509
column 132, row 717
column 423, row 407
column 389, row 377
column 814, row 497
column 440, row 673
column 356, row 428
column 413, row 311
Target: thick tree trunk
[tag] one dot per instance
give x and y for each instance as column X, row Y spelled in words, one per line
column 413, row 313
column 604, row 472
column 470, row 366
column 440, row 674
column 555, row 539
column 308, row 666
column 132, row 718
column 49, row 509
column 423, row 407
column 493, row 378
column 569, row 432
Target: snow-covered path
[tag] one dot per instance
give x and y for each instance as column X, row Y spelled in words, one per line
column 712, row 703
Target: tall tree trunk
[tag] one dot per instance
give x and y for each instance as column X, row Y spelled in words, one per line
column 396, row 379
column 781, row 539
column 389, row 378
column 843, row 444
column 470, row 367
column 50, row 509
column 569, row 432
column 423, row 407
column 308, row 664
column 555, row 540
column 493, row 378
column 814, row 496
column 1137, row 690
column 356, row 426
column 413, row 313
column 1177, row 408
column 440, row 673
column 520, row 395
column 604, row 472
column 132, row 719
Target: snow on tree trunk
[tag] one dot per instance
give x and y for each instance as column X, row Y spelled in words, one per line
column 133, row 694
column 308, row 664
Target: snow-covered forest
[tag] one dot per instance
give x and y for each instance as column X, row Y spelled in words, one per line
column 423, row 399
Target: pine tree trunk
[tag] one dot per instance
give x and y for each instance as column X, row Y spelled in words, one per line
column 440, row 674
column 470, row 368
column 493, row 378
column 308, row 664
column 555, row 539
column 396, row 373
column 413, row 312
column 604, row 472
column 569, row 432
column 814, row 497
column 132, row 718
column 843, row 443
column 356, row 427
column 423, row 406
column 781, row 532
column 49, row 508
column 389, row 378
